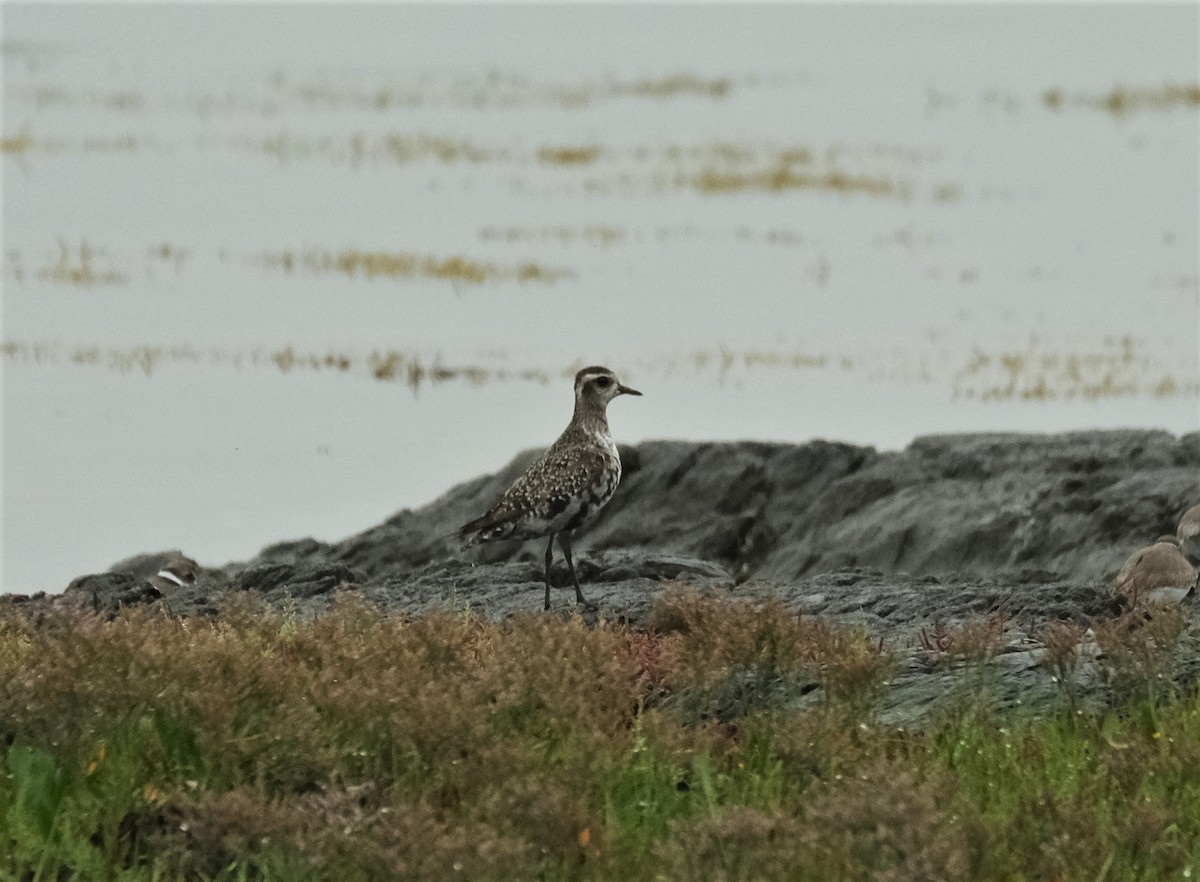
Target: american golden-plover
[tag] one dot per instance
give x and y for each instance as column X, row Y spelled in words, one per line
column 1158, row 573
column 567, row 484
column 180, row 572
column 1188, row 532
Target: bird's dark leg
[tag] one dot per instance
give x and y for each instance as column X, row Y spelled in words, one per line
column 564, row 540
column 549, row 559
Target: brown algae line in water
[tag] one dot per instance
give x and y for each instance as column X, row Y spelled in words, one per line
column 386, row 365
column 1121, row 100
column 784, row 177
column 358, row 149
column 597, row 234
column 85, row 265
column 568, row 155
column 1116, row 370
column 395, row 265
column 282, row 92
column 88, row 265
column 603, row 236
column 1007, row 377
column 722, row 167
column 24, row 143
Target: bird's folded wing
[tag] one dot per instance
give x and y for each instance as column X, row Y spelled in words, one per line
column 545, row 490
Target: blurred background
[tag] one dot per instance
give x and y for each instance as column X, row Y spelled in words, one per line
column 272, row 271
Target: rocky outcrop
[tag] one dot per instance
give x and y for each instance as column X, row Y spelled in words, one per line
column 1030, row 527
column 972, row 505
column 1018, row 509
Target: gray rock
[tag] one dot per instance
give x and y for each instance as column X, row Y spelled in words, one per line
column 1074, row 505
column 107, row 593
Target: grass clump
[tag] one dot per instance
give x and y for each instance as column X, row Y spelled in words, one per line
column 729, row 741
column 1138, row 651
column 976, row 639
column 735, row 658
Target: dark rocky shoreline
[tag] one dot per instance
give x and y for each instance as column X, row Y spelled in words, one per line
column 1028, row 526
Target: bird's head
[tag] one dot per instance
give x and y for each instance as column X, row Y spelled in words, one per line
column 596, row 386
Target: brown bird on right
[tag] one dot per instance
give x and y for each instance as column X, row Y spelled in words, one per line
column 179, row 572
column 1188, row 532
column 1158, row 573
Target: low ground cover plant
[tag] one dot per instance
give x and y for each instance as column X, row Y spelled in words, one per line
column 729, row 741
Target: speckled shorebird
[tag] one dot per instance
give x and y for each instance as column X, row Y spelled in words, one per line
column 180, row 572
column 1188, row 532
column 567, row 484
column 1158, row 572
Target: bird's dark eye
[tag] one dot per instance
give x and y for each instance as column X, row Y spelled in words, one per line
column 603, row 382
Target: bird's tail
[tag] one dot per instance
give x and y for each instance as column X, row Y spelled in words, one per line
column 464, row 536
column 493, row 525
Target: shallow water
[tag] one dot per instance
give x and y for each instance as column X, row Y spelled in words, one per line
column 267, row 290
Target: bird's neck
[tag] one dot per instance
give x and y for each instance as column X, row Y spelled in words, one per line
column 590, row 418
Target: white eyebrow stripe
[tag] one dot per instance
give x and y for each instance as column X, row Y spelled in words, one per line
column 587, row 378
column 170, row 577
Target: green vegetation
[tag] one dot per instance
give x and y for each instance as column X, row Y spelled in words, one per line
column 730, row 741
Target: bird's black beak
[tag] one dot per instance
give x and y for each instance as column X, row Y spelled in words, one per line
column 625, row 390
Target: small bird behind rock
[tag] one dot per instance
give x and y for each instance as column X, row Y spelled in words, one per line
column 1188, row 532
column 1158, row 573
column 177, row 573
column 567, row 484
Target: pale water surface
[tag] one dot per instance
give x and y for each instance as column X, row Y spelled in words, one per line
column 276, row 271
